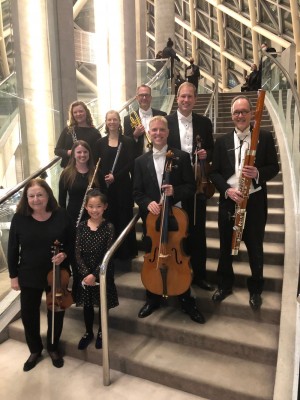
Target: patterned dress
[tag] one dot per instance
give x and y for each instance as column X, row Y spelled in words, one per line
column 90, row 249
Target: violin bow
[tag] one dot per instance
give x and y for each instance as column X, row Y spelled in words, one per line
column 56, row 247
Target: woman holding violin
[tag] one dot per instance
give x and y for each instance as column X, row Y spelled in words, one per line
column 37, row 224
column 149, row 175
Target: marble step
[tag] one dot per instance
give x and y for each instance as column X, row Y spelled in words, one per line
column 188, row 368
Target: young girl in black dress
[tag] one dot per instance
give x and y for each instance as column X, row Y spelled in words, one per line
column 93, row 239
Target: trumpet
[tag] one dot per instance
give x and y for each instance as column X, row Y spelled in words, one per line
column 86, row 192
column 135, row 121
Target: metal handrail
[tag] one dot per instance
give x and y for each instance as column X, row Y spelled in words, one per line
column 25, row 181
column 215, row 97
column 103, row 299
column 287, row 76
column 130, row 101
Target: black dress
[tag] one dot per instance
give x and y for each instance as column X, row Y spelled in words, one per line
column 91, row 247
column 119, row 193
column 66, row 141
column 74, row 195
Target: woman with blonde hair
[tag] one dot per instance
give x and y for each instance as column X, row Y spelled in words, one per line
column 80, row 127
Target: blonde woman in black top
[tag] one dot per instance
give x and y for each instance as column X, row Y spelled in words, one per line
column 80, row 127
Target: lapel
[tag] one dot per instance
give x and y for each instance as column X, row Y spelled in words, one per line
column 229, row 146
column 175, row 131
column 151, row 168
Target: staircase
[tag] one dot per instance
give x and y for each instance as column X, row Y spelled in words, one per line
column 233, row 356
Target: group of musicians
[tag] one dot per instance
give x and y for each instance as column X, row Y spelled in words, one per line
column 180, row 132
column 133, row 169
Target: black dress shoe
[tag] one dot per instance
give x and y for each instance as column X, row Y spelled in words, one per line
column 220, row 295
column 32, row 361
column 204, row 285
column 147, row 310
column 194, row 314
column 57, row 360
column 255, row 301
column 98, row 343
column 85, row 340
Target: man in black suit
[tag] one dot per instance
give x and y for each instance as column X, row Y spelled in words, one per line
column 136, row 124
column 227, row 166
column 185, row 126
column 148, row 186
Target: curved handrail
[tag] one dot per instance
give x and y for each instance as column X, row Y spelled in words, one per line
column 103, row 299
column 32, row 176
column 132, row 99
column 287, row 76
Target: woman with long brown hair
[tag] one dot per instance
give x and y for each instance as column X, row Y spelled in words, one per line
column 75, row 179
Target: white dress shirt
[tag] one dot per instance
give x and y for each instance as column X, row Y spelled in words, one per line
column 145, row 119
column 186, row 132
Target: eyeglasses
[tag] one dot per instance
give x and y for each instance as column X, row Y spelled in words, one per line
column 237, row 113
column 144, row 95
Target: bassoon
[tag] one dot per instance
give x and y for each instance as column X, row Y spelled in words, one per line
column 245, row 183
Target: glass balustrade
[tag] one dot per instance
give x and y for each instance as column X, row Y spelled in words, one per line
column 8, row 102
column 282, row 93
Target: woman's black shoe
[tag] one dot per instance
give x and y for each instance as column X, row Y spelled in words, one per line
column 32, row 361
column 57, row 360
column 98, row 343
column 85, row 341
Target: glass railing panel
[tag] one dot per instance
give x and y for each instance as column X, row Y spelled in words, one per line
column 272, row 77
column 15, row 130
column 8, row 102
column 7, row 210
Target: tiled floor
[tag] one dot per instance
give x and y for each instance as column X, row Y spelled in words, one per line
column 77, row 380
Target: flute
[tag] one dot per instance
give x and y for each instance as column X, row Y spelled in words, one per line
column 86, row 192
column 115, row 161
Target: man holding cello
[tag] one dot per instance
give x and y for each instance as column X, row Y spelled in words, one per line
column 149, row 190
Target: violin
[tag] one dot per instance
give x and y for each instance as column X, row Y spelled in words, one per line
column 202, row 169
column 60, row 297
column 166, row 270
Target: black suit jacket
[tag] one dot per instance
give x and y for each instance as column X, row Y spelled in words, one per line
column 128, row 131
column 223, row 164
column 202, row 126
column 146, row 188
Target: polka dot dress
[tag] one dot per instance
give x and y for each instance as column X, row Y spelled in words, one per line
column 90, row 249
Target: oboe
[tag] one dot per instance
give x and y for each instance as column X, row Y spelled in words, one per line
column 86, row 192
column 245, row 183
column 115, row 161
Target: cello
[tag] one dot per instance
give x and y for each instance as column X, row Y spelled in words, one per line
column 166, row 270
column 59, row 297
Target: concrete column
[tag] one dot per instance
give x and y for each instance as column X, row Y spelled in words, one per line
column 116, row 56
column 130, row 44
column 45, row 70
column 62, row 50
column 141, row 29
column 164, row 23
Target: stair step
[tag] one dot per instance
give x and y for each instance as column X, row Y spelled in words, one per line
column 129, row 285
column 166, row 362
